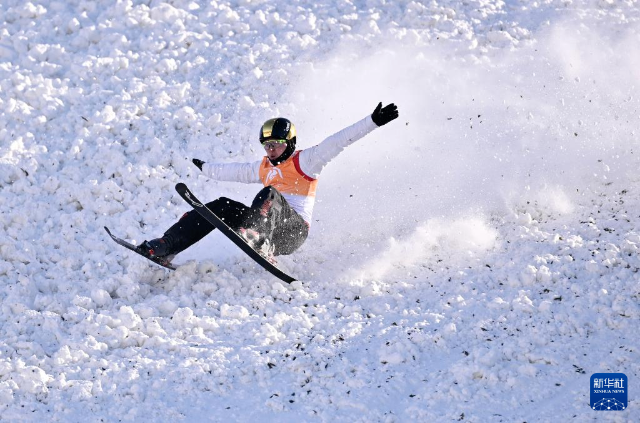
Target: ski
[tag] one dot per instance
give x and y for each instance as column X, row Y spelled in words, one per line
column 157, row 260
column 199, row 207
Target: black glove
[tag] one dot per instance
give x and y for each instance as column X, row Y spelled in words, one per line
column 198, row 163
column 383, row 115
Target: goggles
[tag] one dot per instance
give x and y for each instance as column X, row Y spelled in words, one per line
column 273, row 144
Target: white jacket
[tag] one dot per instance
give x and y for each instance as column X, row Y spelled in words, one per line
column 312, row 160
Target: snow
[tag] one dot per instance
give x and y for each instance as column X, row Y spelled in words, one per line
column 475, row 260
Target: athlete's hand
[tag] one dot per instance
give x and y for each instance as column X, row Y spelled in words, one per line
column 198, row 163
column 383, row 115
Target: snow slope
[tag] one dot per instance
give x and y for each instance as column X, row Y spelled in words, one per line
column 475, row 260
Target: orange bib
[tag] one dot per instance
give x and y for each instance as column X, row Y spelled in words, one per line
column 287, row 177
column 296, row 187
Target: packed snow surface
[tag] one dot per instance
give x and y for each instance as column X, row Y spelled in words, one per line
column 474, row 260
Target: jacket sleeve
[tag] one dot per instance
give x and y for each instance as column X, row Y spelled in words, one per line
column 314, row 159
column 235, row 172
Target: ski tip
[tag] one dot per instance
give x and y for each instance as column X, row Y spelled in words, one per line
column 107, row 229
column 180, row 186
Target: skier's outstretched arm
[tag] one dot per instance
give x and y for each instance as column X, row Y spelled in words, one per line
column 314, row 159
column 235, row 172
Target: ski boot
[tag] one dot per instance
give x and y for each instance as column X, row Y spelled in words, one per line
column 267, row 250
column 250, row 236
column 158, row 248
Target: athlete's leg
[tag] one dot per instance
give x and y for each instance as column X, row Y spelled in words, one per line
column 279, row 222
column 192, row 227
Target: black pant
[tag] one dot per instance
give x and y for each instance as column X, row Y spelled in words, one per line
column 270, row 214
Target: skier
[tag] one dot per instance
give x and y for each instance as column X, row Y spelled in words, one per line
column 278, row 220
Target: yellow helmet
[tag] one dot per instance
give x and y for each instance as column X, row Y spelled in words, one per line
column 278, row 129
